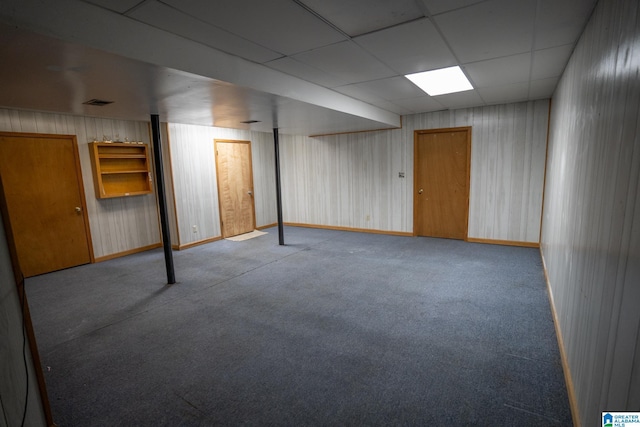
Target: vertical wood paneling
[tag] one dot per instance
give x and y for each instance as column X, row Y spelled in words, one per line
column 342, row 180
column 167, row 168
column 13, row 378
column 345, row 180
column 119, row 224
column 590, row 236
column 194, row 177
column 264, row 181
column 507, row 167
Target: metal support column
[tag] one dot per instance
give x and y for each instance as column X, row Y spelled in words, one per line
column 162, row 198
column 276, row 145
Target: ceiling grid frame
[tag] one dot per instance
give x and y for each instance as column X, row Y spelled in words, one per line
column 232, row 81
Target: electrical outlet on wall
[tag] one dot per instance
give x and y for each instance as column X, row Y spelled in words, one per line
column 194, row 228
column 367, row 218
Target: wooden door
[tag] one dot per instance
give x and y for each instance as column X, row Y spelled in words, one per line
column 45, row 201
column 235, row 187
column 441, row 182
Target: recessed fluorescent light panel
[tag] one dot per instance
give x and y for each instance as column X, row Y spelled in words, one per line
column 442, row 81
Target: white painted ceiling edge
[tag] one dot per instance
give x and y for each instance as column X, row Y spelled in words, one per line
column 89, row 25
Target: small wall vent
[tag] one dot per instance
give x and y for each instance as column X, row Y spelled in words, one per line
column 98, row 102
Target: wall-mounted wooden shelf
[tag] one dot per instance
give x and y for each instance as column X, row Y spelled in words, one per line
column 120, row 169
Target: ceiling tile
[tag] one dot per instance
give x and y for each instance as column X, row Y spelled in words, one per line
column 280, row 25
column 409, row 48
column 174, row 21
column 346, row 61
column 421, row 104
column 490, row 29
column 543, row 88
column 356, row 17
column 439, row 6
column 561, row 22
column 392, row 88
column 468, row 98
column 120, row 6
column 506, row 93
column 500, row 71
column 306, row 72
column 550, row 62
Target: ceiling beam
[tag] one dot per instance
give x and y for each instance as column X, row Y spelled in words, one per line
column 89, row 25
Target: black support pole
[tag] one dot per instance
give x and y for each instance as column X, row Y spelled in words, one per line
column 276, row 145
column 162, row 199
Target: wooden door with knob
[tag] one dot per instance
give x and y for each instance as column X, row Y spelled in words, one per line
column 45, row 201
column 235, row 187
column 441, row 182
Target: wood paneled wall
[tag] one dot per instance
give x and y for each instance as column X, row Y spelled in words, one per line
column 591, row 223
column 352, row 180
column 194, row 182
column 508, row 149
column 194, row 178
column 264, row 177
column 167, row 169
column 118, row 224
column 346, row 180
column 13, row 377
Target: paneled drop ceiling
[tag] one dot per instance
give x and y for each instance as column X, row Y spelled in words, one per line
column 306, row 66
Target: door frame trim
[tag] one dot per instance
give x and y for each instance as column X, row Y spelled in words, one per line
column 416, row 133
column 253, row 197
column 78, row 170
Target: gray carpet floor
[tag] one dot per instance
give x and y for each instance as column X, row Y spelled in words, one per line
column 335, row 328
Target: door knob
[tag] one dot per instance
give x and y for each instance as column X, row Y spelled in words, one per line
column 78, row 209
column 250, row 193
column 420, row 191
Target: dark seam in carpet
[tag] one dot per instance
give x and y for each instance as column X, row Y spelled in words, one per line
column 189, row 403
column 527, row 358
column 531, row 412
